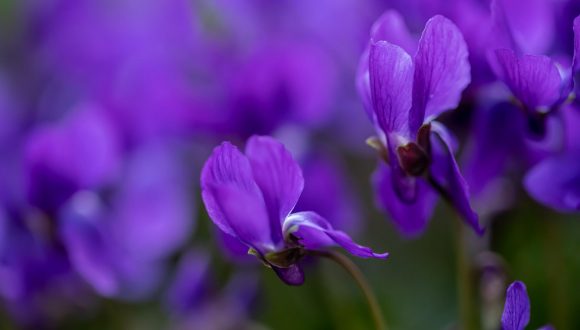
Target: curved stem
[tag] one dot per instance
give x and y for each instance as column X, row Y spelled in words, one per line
column 359, row 278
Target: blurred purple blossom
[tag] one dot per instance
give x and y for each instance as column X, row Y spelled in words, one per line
column 195, row 302
column 120, row 248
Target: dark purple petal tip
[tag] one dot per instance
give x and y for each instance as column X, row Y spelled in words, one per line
column 516, row 312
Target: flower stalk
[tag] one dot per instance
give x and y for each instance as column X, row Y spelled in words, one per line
column 361, row 281
column 465, row 287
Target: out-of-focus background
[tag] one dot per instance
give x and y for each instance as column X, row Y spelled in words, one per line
column 108, row 109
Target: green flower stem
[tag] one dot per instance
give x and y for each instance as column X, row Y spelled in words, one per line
column 359, row 278
column 465, row 287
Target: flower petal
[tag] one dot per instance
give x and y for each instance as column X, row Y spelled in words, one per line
column 534, row 80
column 293, row 275
column 555, row 182
column 442, row 71
column 227, row 174
column 327, row 191
column 410, row 218
column 523, row 25
column 278, row 176
column 90, row 254
column 576, row 60
column 516, row 312
column 497, row 139
column 445, row 173
column 315, row 232
column 391, row 78
column 246, row 215
column 363, row 85
column 80, row 152
column 190, row 284
column 232, row 248
column 153, row 210
column 391, row 27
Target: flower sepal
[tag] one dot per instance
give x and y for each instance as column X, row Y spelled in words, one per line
column 376, row 143
column 285, row 258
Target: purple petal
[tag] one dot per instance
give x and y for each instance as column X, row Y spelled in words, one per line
column 534, row 80
column 363, row 85
column 153, row 210
column 446, row 174
column 575, row 79
column 576, row 60
column 227, row 174
column 570, row 117
column 278, row 176
column 269, row 90
column 442, row 71
column 555, row 182
column 233, row 248
column 81, row 230
column 497, row 139
column 328, row 192
column 190, row 284
column 315, row 232
column 410, row 218
column 523, row 25
column 391, row 78
column 391, row 27
column 293, row 275
column 516, row 312
column 246, row 215
column 81, row 151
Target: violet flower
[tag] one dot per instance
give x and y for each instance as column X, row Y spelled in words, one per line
column 326, row 192
column 195, row 302
column 133, row 56
column 516, row 312
column 117, row 215
column 403, row 96
column 119, row 245
column 555, row 181
column 539, row 84
column 251, row 197
column 535, row 82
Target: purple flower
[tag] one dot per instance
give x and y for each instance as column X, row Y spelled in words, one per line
column 269, row 90
column 195, row 302
column 120, row 248
column 524, row 26
column 539, row 85
column 555, row 180
column 535, row 82
column 403, row 96
column 251, row 197
column 133, row 56
column 114, row 224
column 516, row 312
column 497, row 143
column 326, row 192
column 81, row 151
